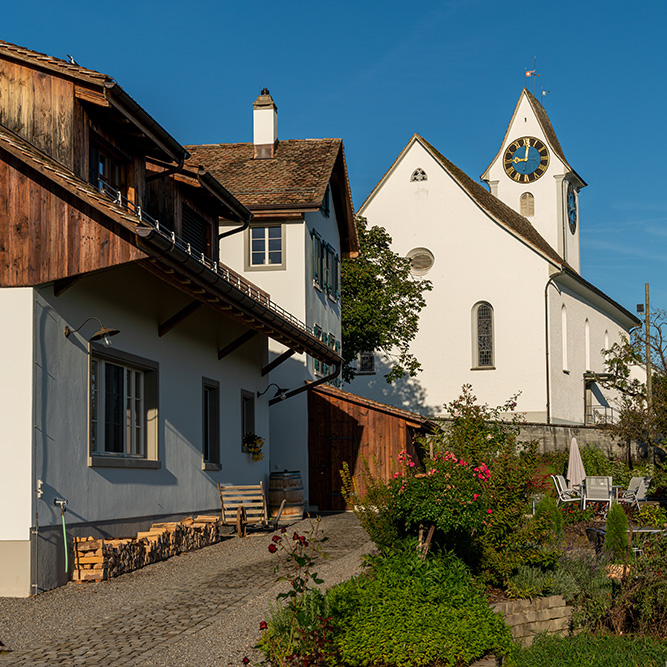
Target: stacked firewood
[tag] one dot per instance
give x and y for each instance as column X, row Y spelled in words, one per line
column 96, row 560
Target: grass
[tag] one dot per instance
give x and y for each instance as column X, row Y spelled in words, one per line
column 589, row 651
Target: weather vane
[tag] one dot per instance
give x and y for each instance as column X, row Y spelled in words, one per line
column 533, row 73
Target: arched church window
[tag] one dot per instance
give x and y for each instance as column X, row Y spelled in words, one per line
column 418, row 175
column 527, row 205
column 563, row 333
column 483, row 351
column 422, row 260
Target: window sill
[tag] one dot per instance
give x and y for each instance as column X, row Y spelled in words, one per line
column 365, row 372
column 208, row 465
column 120, row 462
column 483, row 368
column 265, row 267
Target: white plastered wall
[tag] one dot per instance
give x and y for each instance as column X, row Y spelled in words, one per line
column 475, row 260
column 16, row 427
column 135, row 302
column 292, row 288
column 567, row 384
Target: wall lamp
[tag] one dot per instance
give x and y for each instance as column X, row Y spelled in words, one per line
column 104, row 333
column 280, row 392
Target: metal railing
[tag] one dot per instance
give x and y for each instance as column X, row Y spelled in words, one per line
column 597, row 415
column 212, row 265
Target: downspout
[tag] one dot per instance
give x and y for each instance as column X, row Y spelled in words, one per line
column 546, row 336
column 168, row 172
column 309, row 385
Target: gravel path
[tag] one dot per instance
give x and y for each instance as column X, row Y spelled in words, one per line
column 200, row 608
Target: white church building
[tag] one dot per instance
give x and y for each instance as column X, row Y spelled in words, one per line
column 509, row 311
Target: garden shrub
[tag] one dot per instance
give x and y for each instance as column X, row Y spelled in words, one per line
column 409, row 612
column 616, row 536
column 651, row 515
column 547, row 511
column 589, row 651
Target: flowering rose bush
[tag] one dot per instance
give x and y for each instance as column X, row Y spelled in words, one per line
column 449, row 494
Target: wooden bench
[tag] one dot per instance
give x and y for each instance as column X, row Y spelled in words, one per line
column 244, row 506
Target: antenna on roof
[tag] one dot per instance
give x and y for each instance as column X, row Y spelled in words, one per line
column 72, row 61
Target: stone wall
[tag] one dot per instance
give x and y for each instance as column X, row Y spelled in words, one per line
column 528, row 618
column 557, row 438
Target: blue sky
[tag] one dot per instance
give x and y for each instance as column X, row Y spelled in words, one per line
column 374, row 73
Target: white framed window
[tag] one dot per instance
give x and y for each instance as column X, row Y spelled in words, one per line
column 123, row 411
column 366, row 363
column 210, row 424
column 266, row 247
column 483, row 333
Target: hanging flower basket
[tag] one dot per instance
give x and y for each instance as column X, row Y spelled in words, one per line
column 253, row 444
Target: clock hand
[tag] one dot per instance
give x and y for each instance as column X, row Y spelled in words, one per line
column 525, row 159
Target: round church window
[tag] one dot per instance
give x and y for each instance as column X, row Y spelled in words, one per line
column 422, row 260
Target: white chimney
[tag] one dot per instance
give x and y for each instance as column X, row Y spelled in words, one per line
column 265, row 125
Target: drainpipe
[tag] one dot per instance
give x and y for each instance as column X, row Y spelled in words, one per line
column 309, row 385
column 546, row 336
column 168, row 172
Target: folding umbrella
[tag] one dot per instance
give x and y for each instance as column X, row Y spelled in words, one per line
column 575, row 466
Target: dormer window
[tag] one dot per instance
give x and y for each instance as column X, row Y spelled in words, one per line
column 107, row 171
column 418, row 175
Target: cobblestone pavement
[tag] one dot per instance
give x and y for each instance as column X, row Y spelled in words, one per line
column 178, row 612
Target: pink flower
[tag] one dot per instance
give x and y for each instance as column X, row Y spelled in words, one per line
column 412, row 465
column 489, row 511
column 475, row 496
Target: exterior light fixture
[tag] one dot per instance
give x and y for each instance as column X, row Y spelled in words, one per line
column 103, row 333
column 280, row 392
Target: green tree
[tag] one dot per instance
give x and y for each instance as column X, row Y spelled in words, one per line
column 635, row 420
column 381, row 302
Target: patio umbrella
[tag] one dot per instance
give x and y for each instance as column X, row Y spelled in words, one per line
column 575, row 466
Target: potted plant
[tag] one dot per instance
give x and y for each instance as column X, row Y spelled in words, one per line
column 253, row 443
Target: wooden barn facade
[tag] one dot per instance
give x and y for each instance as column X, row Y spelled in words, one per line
column 343, row 427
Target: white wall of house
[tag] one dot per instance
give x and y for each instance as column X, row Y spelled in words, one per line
column 16, row 431
column 135, row 302
column 475, row 260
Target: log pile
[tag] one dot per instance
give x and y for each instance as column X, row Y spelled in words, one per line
column 97, row 560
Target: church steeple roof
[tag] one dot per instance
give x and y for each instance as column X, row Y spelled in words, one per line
column 547, row 128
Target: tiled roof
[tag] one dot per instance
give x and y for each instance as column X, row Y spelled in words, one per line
column 53, row 64
column 493, row 206
column 547, row 127
column 297, row 175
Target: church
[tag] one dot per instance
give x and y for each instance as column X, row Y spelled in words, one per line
column 510, row 312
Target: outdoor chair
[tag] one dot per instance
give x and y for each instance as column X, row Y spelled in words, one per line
column 636, row 491
column 565, row 495
column 597, row 490
column 245, row 507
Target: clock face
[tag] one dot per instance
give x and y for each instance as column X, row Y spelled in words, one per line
column 526, row 159
column 571, row 208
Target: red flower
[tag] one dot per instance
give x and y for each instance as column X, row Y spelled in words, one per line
column 295, row 536
column 262, row 625
column 276, row 538
column 272, row 548
column 283, row 529
column 245, row 661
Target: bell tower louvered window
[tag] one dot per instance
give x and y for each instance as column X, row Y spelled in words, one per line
column 418, row 175
column 527, row 205
column 194, row 230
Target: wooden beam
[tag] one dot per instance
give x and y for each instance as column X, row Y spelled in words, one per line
column 177, row 318
column 60, row 286
column 277, row 361
column 235, row 344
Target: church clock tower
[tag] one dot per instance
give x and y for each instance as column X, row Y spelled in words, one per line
column 530, row 174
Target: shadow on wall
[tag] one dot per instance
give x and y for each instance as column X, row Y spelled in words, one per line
column 406, row 393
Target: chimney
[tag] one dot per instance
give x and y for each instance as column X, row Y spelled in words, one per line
column 265, row 125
